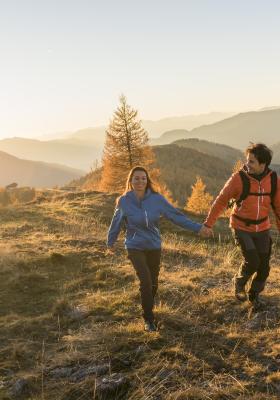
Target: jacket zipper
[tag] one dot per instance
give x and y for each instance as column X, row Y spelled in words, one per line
column 146, row 217
column 258, row 210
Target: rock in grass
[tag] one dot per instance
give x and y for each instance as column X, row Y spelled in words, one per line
column 63, row 372
column 83, row 373
column 78, row 313
column 111, row 387
column 57, row 258
column 19, row 387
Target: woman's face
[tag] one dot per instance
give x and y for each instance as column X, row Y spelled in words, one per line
column 139, row 181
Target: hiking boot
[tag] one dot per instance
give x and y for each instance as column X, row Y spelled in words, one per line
column 252, row 296
column 256, row 303
column 150, row 326
column 239, row 290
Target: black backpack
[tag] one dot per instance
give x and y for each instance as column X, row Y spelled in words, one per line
column 246, row 192
column 246, row 189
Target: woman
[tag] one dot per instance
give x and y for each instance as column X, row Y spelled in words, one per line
column 140, row 207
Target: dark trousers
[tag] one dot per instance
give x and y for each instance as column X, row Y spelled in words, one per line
column 256, row 250
column 146, row 264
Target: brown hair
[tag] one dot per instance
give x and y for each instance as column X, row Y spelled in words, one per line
column 262, row 153
column 130, row 176
column 128, row 186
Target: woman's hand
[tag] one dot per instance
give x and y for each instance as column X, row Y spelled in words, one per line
column 205, row 231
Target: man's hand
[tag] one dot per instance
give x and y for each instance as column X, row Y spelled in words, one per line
column 205, row 231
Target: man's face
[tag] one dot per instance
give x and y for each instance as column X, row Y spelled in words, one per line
column 254, row 167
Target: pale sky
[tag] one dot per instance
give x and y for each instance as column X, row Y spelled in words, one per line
column 64, row 63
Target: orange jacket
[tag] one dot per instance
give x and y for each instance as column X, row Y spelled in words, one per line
column 253, row 207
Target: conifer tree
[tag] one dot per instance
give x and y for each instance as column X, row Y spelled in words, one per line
column 126, row 146
column 237, row 166
column 163, row 189
column 199, row 201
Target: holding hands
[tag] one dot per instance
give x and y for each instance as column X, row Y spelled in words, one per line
column 205, row 231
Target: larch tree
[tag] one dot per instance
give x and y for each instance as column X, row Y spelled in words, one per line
column 126, row 146
column 237, row 166
column 199, row 201
column 162, row 188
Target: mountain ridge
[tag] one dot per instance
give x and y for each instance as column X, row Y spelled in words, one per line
column 34, row 173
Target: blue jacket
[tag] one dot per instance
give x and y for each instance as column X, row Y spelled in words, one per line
column 141, row 218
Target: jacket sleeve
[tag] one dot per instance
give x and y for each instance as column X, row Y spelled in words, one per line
column 177, row 217
column 231, row 190
column 276, row 205
column 115, row 225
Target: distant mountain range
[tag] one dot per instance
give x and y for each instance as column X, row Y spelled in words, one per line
column 154, row 128
column 236, row 131
column 225, row 153
column 180, row 165
column 187, row 122
column 170, row 137
column 82, row 148
column 34, row 173
column 181, row 162
column 71, row 152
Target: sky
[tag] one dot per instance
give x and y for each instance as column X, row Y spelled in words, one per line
column 64, row 63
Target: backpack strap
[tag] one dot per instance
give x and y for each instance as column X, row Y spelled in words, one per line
column 245, row 190
column 245, row 187
column 274, row 181
column 273, row 189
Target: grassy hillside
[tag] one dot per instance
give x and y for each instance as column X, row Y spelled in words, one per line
column 226, row 153
column 179, row 167
column 70, row 316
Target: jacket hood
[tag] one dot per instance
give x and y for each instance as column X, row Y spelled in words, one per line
column 131, row 194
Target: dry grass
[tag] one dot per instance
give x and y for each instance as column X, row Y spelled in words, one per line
column 65, row 305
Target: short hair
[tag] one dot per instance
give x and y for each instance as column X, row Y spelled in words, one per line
column 262, row 153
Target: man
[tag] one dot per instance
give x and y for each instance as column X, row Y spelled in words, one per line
column 250, row 218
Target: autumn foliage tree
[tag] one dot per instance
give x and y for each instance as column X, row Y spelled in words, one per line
column 126, row 146
column 237, row 166
column 199, row 201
